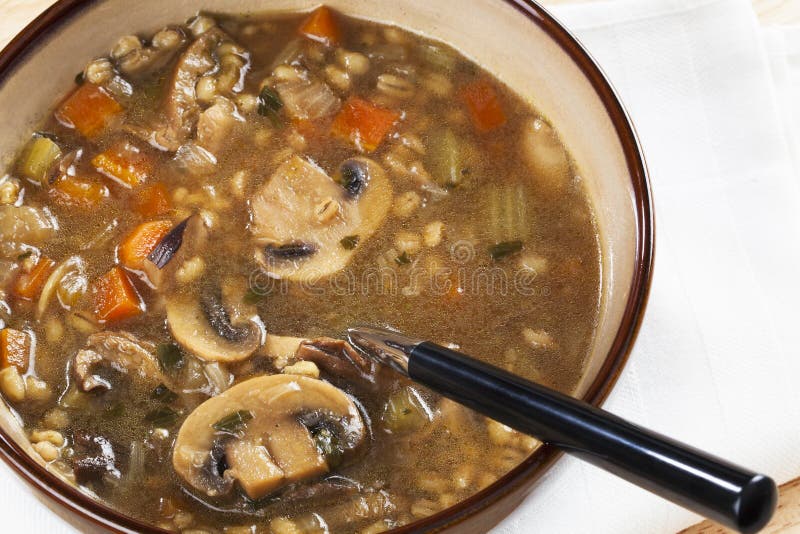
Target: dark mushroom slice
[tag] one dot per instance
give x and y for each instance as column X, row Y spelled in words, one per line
column 338, row 358
column 353, row 176
column 204, row 326
column 266, row 446
column 289, row 251
column 301, row 215
column 186, row 239
column 124, row 352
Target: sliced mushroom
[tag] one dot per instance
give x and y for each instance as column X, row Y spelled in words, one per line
column 338, row 358
column 203, row 325
column 185, row 240
column 124, row 352
column 301, row 215
column 254, row 433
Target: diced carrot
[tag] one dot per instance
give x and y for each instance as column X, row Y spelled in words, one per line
column 151, row 200
column 15, row 349
column 124, row 163
column 29, row 285
column 321, row 26
column 363, row 124
column 88, row 110
column 484, row 106
column 77, row 191
column 305, row 127
column 138, row 244
column 115, row 298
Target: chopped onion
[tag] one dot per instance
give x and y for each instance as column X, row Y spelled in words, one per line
column 69, row 265
column 136, row 463
column 308, row 100
column 289, row 55
column 218, row 377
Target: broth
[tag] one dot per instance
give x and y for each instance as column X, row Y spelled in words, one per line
column 218, row 203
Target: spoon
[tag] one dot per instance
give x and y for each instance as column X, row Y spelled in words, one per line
column 719, row 490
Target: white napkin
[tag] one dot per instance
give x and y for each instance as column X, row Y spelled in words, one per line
column 716, row 363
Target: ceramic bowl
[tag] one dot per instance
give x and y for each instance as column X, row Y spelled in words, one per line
column 520, row 43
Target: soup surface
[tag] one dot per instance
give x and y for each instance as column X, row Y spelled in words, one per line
column 187, row 237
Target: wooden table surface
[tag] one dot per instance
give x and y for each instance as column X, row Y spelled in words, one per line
column 15, row 14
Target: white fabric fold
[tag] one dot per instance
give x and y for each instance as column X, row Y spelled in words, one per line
column 716, row 361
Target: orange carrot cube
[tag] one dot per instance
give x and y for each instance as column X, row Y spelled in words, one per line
column 114, row 297
column 88, row 110
column 321, row 26
column 77, row 191
column 140, row 242
column 151, row 200
column 29, row 285
column 363, row 124
column 124, row 163
column 15, row 349
column 484, row 106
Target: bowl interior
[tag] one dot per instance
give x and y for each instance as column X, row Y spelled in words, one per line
column 522, row 53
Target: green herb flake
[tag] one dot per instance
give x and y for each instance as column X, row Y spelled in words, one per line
column 25, row 255
column 269, row 105
column 251, row 297
column 329, row 446
column 114, row 411
column 349, row 242
column 79, row 78
column 162, row 417
column 504, row 249
column 164, row 394
column 233, row 423
column 402, row 259
column 169, row 356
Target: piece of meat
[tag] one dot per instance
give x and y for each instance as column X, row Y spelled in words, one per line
column 181, row 108
column 124, row 352
column 215, row 124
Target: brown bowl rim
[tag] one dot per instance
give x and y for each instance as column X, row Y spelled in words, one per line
column 532, row 468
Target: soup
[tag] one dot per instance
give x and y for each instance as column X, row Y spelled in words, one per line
column 187, row 237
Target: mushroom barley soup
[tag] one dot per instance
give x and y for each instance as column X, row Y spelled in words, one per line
column 188, row 235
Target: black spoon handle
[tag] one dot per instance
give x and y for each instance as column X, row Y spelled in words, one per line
column 728, row 494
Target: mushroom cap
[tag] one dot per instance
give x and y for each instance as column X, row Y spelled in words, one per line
column 191, row 326
column 274, row 448
column 304, row 213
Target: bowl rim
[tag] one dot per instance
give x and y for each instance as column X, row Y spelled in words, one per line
column 533, row 467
